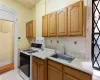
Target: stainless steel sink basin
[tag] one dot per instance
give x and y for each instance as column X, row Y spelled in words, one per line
column 63, row 57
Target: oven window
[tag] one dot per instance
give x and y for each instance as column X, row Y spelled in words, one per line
column 25, row 64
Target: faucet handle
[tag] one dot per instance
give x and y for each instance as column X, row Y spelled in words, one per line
column 64, row 50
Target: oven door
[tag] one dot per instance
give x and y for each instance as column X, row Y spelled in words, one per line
column 25, row 64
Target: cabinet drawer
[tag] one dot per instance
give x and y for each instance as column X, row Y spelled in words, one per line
column 77, row 73
column 55, row 64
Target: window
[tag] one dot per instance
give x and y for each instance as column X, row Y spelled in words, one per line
column 96, row 34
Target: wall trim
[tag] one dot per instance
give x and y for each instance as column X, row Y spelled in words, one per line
column 6, row 62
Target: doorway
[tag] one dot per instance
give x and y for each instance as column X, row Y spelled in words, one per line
column 10, row 14
column 6, row 46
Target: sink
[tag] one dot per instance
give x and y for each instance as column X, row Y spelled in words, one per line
column 63, row 57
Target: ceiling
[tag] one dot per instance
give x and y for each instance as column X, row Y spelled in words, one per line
column 27, row 3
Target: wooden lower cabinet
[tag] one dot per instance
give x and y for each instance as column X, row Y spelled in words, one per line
column 39, row 69
column 41, row 72
column 58, row 71
column 75, row 74
column 54, row 74
column 68, row 77
column 35, row 70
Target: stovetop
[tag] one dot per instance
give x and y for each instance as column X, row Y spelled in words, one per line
column 30, row 51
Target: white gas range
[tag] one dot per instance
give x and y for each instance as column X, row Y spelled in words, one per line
column 25, row 61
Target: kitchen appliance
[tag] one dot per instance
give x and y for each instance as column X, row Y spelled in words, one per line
column 25, row 60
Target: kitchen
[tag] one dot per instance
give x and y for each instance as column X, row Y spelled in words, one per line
column 59, row 34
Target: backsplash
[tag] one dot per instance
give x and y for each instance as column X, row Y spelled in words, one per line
column 74, row 46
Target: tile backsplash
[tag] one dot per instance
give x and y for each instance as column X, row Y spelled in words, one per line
column 74, row 46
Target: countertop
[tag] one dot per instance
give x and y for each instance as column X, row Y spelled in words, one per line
column 44, row 54
column 77, row 63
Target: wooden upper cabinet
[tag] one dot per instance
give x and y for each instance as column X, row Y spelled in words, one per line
column 31, row 29
column 45, row 26
column 62, row 22
column 52, row 24
column 75, row 19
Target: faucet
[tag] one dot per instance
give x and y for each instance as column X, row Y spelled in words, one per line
column 64, row 50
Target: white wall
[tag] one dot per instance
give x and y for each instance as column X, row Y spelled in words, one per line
column 40, row 11
column 24, row 15
column 53, row 5
column 34, row 12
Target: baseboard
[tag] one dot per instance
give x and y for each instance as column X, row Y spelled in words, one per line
column 6, row 62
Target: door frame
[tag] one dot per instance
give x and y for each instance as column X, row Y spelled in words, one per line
column 10, row 14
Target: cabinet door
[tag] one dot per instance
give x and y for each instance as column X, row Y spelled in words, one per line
column 35, row 71
column 54, row 74
column 41, row 72
column 31, row 29
column 62, row 22
column 75, row 19
column 45, row 26
column 52, row 24
column 67, row 77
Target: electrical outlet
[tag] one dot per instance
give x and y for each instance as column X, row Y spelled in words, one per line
column 75, row 42
column 57, row 41
column 51, row 41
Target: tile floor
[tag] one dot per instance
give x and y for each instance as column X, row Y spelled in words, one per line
column 14, row 75
column 96, row 78
column 96, row 75
column 11, row 75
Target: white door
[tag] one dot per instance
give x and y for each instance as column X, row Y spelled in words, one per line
column 6, row 42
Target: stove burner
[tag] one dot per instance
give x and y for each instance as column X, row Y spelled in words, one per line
column 30, row 51
column 27, row 50
column 33, row 51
